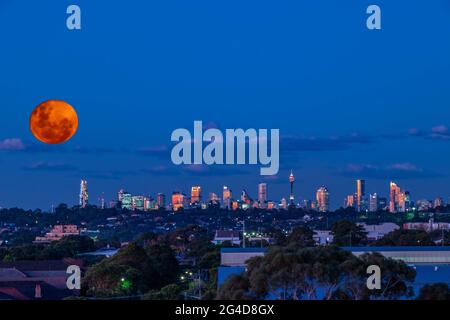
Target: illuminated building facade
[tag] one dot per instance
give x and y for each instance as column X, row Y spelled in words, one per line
column 127, row 201
column 283, row 204
column 424, row 205
column 349, row 201
column 150, row 204
column 57, row 233
column 120, row 195
column 213, row 199
column 178, row 200
column 394, row 194
column 226, row 197
column 262, row 195
column 360, row 194
column 161, row 200
column 84, row 195
column 438, row 202
column 383, row 203
column 245, row 198
column 138, row 203
column 373, row 203
column 196, row 195
column 323, row 199
column 291, row 182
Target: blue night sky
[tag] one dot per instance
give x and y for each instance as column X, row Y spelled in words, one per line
column 350, row 103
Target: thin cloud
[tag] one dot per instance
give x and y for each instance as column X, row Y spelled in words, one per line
column 49, row 167
column 334, row 143
column 394, row 171
column 12, row 144
column 440, row 132
column 196, row 170
column 156, row 151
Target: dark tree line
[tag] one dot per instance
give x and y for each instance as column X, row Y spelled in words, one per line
column 302, row 273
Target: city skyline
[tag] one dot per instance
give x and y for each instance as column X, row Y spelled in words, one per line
column 347, row 108
column 397, row 201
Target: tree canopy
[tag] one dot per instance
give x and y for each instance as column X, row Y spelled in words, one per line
column 347, row 233
column 299, row 273
column 132, row 271
column 436, row 291
column 402, row 237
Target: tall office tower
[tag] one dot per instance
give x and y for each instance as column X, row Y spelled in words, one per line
column 401, row 201
column 113, row 204
column 137, row 203
column 147, row 204
column 226, row 197
column 84, row 196
column 360, row 194
column 394, row 194
column 127, row 201
column 213, row 198
column 245, row 198
column 373, row 203
column 306, row 204
column 438, row 202
column 383, row 203
column 101, row 201
column 283, row 204
column 196, row 195
column 323, row 199
column 120, row 195
column 424, row 205
column 349, row 202
column 262, row 195
column 291, row 181
column 161, row 200
column 408, row 201
column 178, row 200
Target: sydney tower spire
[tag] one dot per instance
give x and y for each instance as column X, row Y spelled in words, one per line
column 291, row 181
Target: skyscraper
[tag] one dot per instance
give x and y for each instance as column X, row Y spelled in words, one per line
column 360, row 194
column 177, row 201
column 323, row 199
column 138, row 203
column 161, row 200
column 149, row 204
column 438, row 202
column 84, row 196
column 373, row 203
column 382, row 203
column 262, row 195
column 127, row 200
column 401, row 201
column 291, row 181
column 394, row 192
column 120, row 195
column 196, row 195
column 213, row 197
column 102, row 201
column 245, row 198
column 408, row 201
column 349, row 202
column 226, row 197
column 283, row 204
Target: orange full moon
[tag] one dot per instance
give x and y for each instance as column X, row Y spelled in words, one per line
column 54, row 122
